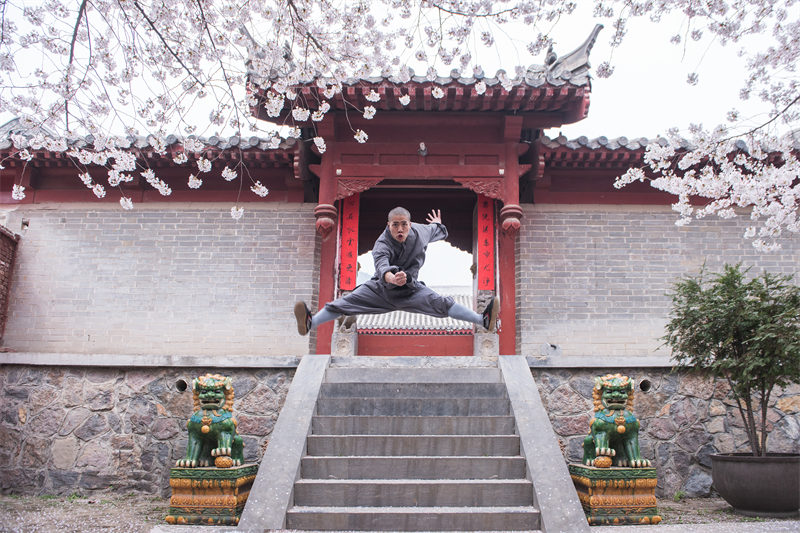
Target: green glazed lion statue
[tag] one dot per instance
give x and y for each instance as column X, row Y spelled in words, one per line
column 614, row 436
column 212, row 427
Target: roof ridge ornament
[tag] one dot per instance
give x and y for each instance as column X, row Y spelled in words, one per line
column 575, row 63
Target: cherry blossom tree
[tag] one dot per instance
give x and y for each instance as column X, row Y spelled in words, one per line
column 154, row 68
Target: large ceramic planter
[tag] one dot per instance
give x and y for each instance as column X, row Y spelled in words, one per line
column 758, row 486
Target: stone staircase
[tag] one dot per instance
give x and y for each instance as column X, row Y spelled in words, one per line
column 424, row 449
column 405, row 445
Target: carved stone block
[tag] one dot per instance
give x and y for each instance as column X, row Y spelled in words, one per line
column 345, row 338
column 486, row 345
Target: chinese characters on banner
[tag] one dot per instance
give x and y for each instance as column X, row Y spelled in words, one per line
column 485, row 243
column 348, row 253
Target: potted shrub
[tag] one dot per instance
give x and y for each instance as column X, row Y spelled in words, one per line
column 746, row 331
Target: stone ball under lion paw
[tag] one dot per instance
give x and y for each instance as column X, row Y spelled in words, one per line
column 223, row 461
column 603, row 461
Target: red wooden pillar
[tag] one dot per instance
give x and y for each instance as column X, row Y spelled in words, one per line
column 507, row 239
column 326, row 215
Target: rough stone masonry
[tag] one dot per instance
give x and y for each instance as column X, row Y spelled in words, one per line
column 67, row 429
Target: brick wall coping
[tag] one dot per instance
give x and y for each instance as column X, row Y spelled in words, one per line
column 290, row 361
column 149, row 360
column 599, row 361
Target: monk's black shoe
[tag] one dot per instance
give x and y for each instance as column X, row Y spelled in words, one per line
column 303, row 316
column 490, row 314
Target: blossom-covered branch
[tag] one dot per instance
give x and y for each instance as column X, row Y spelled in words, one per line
column 151, row 68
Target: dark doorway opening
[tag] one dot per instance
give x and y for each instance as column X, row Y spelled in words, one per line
column 399, row 333
column 456, row 203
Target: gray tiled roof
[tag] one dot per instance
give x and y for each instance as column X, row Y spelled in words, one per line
column 571, row 68
column 221, row 142
column 624, row 143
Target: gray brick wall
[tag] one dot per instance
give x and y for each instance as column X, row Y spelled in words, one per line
column 177, row 279
column 592, row 279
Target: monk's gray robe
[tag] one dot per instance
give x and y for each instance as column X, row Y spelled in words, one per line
column 376, row 296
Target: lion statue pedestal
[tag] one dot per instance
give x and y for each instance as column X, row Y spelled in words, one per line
column 210, row 485
column 615, row 484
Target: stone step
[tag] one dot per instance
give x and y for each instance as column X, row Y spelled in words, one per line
column 413, row 492
column 525, row 518
column 413, row 467
column 413, row 425
column 413, row 375
column 413, row 390
column 413, row 406
column 426, row 445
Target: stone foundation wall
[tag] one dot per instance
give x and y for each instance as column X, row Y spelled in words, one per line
column 75, row 429
column 684, row 419
column 72, row 429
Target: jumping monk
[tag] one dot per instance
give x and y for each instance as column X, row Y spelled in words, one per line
column 399, row 254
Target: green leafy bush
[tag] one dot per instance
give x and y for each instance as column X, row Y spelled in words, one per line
column 743, row 329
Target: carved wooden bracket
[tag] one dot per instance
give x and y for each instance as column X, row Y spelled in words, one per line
column 491, row 187
column 326, row 216
column 509, row 218
column 348, row 186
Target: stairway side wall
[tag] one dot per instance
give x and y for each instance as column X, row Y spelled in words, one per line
column 592, row 280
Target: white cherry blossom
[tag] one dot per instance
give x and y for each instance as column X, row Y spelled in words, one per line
column 259, row 189
column 121, row 70
column 229, row 174
column 18, row 192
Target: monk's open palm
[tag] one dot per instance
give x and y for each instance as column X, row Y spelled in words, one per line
column 435, row 216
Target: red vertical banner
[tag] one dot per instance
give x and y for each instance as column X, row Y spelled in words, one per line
column 485, row 243
column 348, row 252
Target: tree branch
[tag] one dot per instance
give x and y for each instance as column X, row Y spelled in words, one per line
column 3, row 4
column 165, row 43
column 750, row 435
column 476, row 15
column 767, row 123
column 81, row 14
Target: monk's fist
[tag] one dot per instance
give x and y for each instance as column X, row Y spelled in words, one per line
column 396, row 278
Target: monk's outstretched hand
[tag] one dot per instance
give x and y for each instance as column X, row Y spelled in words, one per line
column 435, row 216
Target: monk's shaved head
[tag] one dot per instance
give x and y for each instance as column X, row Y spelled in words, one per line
column 399, row 212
